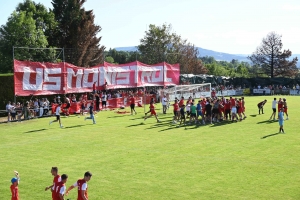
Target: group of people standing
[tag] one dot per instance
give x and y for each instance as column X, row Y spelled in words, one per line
column 58, row 186
column 209, row 109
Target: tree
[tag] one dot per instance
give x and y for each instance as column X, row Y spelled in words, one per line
column 20, row 30
column 44, row 19
column 109, row 59
column 77, row 33
column 272, row 59
column 159, row 45
column 27, row 26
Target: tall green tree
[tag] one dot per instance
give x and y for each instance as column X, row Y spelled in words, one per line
column 77, row 33
column 26, row 27
column 160, row 44
column 20, row 30
column 272, row 59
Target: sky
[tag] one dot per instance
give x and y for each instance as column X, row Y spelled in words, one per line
column 229, row 26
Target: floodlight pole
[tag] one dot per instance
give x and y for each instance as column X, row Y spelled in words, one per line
column 15, row 98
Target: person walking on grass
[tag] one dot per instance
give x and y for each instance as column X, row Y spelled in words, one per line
column 57, row 114
column 260, row 106
column 274, row 104
column 82, row 186
column 281, row 120
column 132, row 105
column 164, row 104
column 91, row 109
column 153, row 113
column 56, row 179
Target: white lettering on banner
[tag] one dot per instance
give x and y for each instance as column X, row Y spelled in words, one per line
column 150, row 74
column 71, row 74
column 117, row 76
column 160, row 77
column 39, row 79
column 56, row 80
column 123, row 77
column 146, row 74
column 104, row 76
column 86, row 73
column 168, row 80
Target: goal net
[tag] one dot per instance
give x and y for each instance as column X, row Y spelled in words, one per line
column 195, row 91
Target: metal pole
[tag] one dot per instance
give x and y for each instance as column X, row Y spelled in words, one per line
column 144, row 100
column 15, row 97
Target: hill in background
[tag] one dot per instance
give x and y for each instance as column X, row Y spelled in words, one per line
column 217, row 55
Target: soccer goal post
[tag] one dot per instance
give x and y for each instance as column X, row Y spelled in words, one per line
column 195, row 91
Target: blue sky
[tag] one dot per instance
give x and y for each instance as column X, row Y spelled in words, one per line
column 231, row 26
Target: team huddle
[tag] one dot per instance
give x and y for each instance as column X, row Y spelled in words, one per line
column 209, row 110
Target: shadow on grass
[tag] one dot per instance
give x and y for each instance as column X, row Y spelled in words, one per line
column 266, row 122
column 76, row 126
column 159, row 117
column 160, row 124
column 264, row 137
column 120, row 115
column 133, row 125
column 33, row 131
column 253, row 115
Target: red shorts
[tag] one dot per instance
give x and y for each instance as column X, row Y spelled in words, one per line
column 285, row 110
column 153, row 112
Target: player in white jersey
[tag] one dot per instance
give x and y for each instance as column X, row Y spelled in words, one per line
column 57, row 114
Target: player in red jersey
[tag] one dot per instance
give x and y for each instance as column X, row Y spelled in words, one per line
column 175, row 111
column 14, row 187
column 56, row 179
column 285, row 106
column 203, row 104
column 243, row 107
column 60, row 188
column 227, row 114
column 181, row 102
column 153, row 113
column 239, row 108
column 132, row 104
column 233, row 108
column 82, row 186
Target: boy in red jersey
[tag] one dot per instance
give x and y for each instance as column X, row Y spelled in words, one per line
column 132, row 105
column 60, row 188
column 153, row 113
column 227, row 110
column 82, row 186
column 176, row 108
column 14, row 187
column 56, row 179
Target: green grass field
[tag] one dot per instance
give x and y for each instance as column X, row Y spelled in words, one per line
column 133, row 159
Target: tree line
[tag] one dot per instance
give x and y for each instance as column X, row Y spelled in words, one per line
column 69, row 26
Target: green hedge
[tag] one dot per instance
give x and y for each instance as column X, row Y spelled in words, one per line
column 6, row 90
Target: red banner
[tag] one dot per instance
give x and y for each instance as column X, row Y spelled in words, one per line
column 61, row 78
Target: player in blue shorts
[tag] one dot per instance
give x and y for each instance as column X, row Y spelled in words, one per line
column 281, row 120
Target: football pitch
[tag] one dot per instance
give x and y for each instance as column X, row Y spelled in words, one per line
column 135, row 159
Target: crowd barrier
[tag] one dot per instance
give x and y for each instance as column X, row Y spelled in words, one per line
column 110, row 104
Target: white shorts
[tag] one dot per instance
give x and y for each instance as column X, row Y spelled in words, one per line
column 233, row 110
